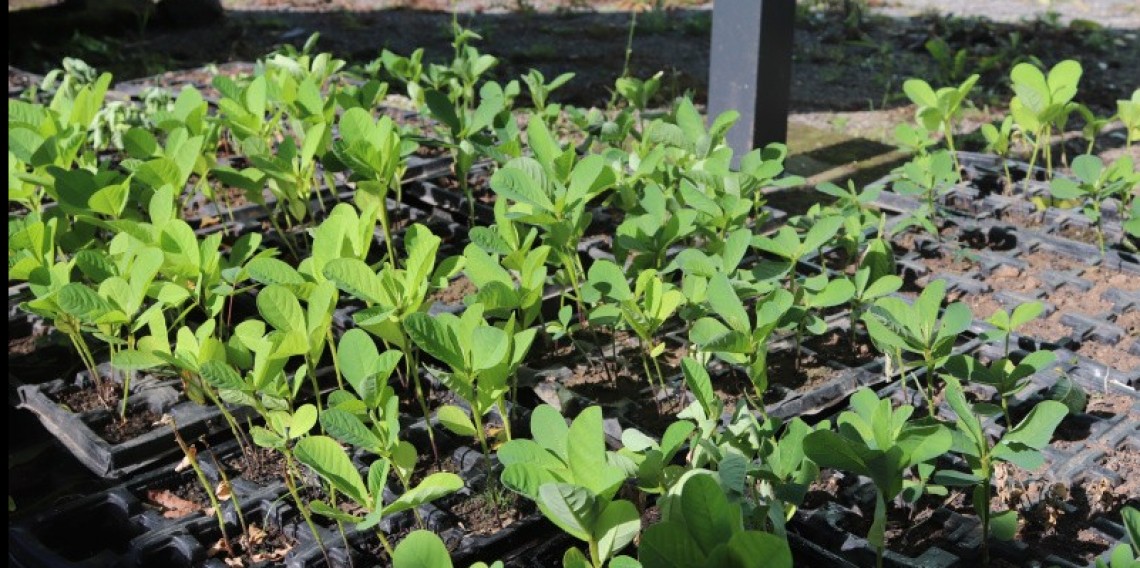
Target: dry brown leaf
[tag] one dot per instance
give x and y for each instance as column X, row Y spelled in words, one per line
column 254, row 536
column 223, row 491
column 207, row 220
column 235, row 562
column 274, row 556
column 218, row 548
column 186, row 459
column 173, row 506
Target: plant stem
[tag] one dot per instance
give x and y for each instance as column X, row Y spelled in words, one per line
column 191, row 457
column 291, row 485
column 412, row 365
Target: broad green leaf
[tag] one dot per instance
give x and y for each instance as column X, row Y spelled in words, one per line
column 421, row 549
column 570, row 507
column 616, row 527
column 431, row 488
column 456, row 420
column 330, row 461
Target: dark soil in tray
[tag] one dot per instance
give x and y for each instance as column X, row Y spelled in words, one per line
column 622, row 381
column 85, row 399
column 836, row 343
column 138, row 421
column 782, row 372
column 488, row 511
column 262, row 466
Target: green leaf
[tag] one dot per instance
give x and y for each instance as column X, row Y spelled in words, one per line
column 221, row 376
column 303, row 420
column 1024, row 313
column 759, row 549
column 516, row 185
column 527, row 478
column 347, row 428
column 828, row 449
column 267, row 270
column 330, row 461
column 456, row 420
column 668, row 545
column 549, row 429
column 1068, row 392
column 574, row 558
column 616, row 527
column 134, row 360
column 82, row 302
column 431, row 488
column 354, row 277
column 586, row 444
column 1003, row 525
column 570, row 507
column 724, row 301
column 1036, row 429
column 280, row 308
column 698, row 381
column 706, row 511
column 435, row 338
column 421, row 549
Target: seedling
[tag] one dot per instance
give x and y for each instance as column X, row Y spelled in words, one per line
column 931, row 177
column 374, row 153
column 540, row 92
column 1128, row 111
column 699, row 528
column 644, row 309
column 567, row 471
column 328, row 458
column 916, row 329
column 937, row 110
column 878, row 442
column 1021, row 445
column 482, row 359
column 999, row 141
column 551, row 191
column 1096, row 183
column 1040, row 105
column 733, row 336
column 393, row 294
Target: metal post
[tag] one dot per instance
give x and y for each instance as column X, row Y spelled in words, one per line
column 751, row 69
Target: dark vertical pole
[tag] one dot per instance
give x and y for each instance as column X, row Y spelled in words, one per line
column 751, row 69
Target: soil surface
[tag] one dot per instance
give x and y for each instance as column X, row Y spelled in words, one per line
column 137, row 422
column 486, row 513
column 455, row 292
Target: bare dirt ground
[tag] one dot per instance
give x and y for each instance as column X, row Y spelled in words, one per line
column 847, row 71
